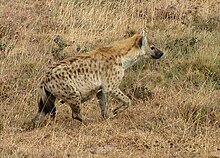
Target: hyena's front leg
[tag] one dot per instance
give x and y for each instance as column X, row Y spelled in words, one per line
column 119, row 95
column 102, row 103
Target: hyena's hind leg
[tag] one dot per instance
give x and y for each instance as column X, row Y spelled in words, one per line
column 72, row 97
column 74, row 101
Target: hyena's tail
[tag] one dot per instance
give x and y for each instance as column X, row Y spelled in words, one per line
column 45, row 104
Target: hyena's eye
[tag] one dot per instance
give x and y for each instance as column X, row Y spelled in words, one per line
column 152, row 47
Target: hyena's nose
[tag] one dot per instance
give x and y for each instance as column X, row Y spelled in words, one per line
column 160, row 54
column 157, row 55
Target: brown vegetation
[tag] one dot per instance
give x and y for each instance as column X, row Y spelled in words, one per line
column 176, row 105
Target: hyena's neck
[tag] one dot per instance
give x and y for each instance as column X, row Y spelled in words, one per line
column 131, row 54
column 130, row 60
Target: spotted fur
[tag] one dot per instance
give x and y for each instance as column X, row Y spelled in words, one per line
column 98, row 72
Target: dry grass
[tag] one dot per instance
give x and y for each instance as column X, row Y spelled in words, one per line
column 176, row 105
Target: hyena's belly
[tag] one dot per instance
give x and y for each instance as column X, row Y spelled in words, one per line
column 87, row 92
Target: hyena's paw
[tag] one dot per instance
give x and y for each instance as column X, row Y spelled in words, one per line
column 38, row 121
column 29, row 125
column 118, row 110
column 77, row 117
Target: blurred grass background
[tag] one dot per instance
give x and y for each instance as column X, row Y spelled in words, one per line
column 176, row 105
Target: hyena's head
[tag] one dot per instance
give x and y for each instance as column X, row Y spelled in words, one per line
column 148, row 50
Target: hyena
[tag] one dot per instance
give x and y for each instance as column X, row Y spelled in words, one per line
column 99, row 72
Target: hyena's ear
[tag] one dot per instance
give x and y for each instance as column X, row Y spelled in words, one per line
column 142, row 33
column 142, row 40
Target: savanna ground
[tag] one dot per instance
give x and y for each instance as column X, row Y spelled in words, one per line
column 176, row 99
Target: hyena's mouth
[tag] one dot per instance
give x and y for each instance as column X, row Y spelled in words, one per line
column 157, row 55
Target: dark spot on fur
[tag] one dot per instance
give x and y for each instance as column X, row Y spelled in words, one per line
column 52, row 78
column 87, row 70
column 62, row 62
column 63, row 77
column 73, row 60
column 79, row 71
column 47, row 80
column 65, row 91
column 129, row 49
column 58, row 69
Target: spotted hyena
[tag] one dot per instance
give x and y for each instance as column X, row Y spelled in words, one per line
column 98, row 72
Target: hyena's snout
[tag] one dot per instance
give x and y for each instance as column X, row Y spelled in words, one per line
column 157, row 54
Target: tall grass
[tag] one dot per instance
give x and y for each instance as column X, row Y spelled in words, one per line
column 176, row 105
